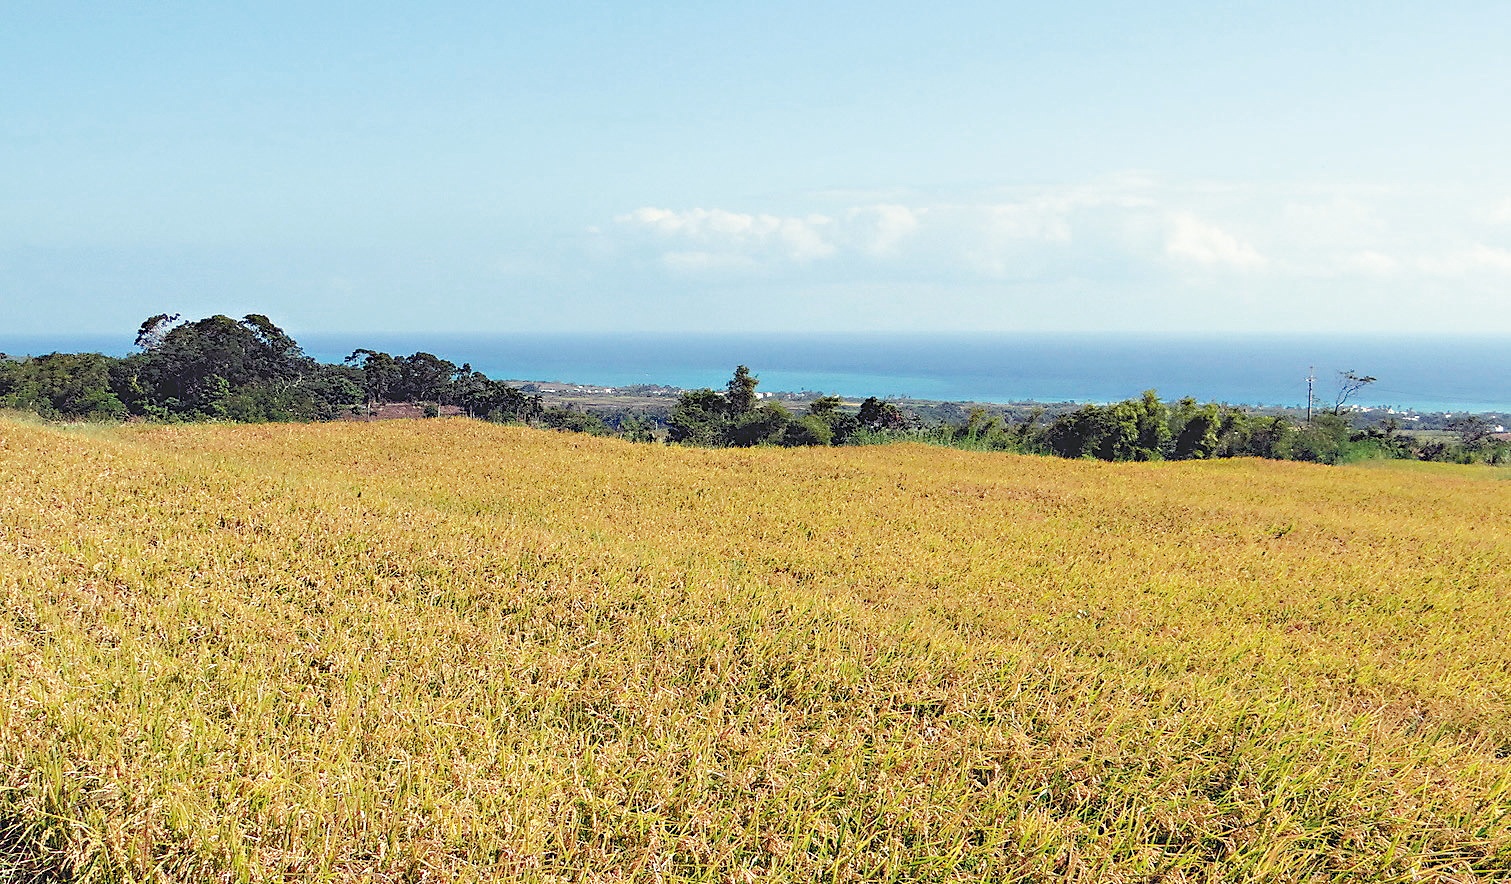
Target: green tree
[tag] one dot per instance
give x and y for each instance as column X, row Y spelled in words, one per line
column 1027, row 435
column 1120, row 433
column 762, row 426
column 152, row 331
column 1472, row 430
column 177, row 365
column 1153, row 421
column 876, row 415
column 467, row 388
column 824, row 406
column 637, row 428
column 740, row 393
column 330, row 391
column 699, row 418
column 807, row 430
column 425, row 377
column 839, row 425
column 1272, row 438
column 381, row 375
column 501, row 403
column 1134, row 429
column 1323, row 441
column 66, row 385
column 1195, row 430
column 574, row 421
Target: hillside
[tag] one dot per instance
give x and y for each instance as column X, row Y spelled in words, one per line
column 450, row 650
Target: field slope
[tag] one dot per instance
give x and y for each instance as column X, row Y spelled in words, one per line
column 445, row 650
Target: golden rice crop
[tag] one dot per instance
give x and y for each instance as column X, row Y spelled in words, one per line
column 446, row 650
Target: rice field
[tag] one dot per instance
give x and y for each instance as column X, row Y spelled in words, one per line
column 452, row 651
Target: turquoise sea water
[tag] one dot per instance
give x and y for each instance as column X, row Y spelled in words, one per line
column 1423, row 373
column 1427, row 374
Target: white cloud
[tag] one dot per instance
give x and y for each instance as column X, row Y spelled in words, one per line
column 1039, row 220
column 738, row 233
column 1130, row 231
column 1019, row 239
column 698, row 262
column 1479, row 259
column 1492, row 258
column 1388, row 252
column 884, row 227
column 1370, row 263
column 804, row 238
column 1191, row 239
column 1342, row 221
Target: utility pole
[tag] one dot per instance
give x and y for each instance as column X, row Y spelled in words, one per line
column 1311, row 379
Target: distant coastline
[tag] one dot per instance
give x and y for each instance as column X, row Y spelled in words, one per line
column 1426, row 374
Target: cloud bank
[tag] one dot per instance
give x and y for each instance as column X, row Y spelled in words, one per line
column 1142, row 227
column 1129, row 252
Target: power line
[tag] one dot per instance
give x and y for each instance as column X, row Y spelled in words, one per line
column 1438, row 396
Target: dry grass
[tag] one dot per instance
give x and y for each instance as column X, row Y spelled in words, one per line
column 446, row 650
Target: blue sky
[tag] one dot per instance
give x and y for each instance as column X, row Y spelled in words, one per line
column 774, row 166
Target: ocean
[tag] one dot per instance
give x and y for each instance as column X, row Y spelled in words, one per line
column 1437, row 374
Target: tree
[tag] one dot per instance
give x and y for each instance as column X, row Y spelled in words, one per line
column 878, row 415
column 500, row 403
column 381, row 374
column 1349, row 383
column 1026, row 435
column 698, row 418
column 1324, row 440
column 637, row 428
column 574, row 421
column 1195, row 430
column 825, row 406
column 149, row 336
column 332, row 390
column 739, row 393
column 176, row 372
column 1078, row 434
column 807, row 430
column 1120, row 432
column 1134, row 429
column 274, row 356
column 1473, row 431
column 425, row 376
column 839, row 426
column 1153, row 421
column 761, row 426
column 69, row 385
column 1234, row 432
column 1271, row 438
column 468, row 387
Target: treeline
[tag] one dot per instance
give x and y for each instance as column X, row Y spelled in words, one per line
column 249, row 370
column 1142, row 429
column 1147, row 429
column 245, row 370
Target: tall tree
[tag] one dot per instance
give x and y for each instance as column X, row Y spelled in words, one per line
column 426, row 376
column 381, row 374
column 698, row 418
column 1349, row 383
column 150, row 334
column 178, row 367
column 740, row 393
